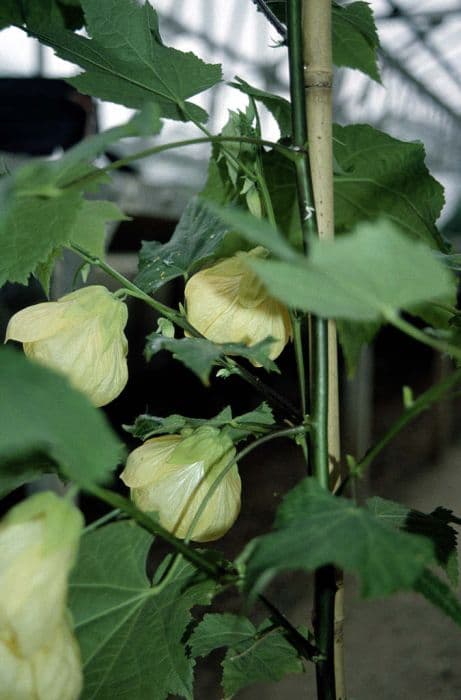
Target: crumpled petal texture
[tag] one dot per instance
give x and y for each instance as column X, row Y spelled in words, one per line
column 38, row 546
column 39, row 656
column 80, row 335
column 53, row 672
column 171, row 475
column 228, row 304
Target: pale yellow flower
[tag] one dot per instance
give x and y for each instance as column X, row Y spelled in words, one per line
column 171, row 475
column 227, row 303
column 38, row 545
column 39, row 656
column 80, row 335
column 53, row 672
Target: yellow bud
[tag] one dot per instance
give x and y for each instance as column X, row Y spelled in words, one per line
column 53, row 672
column 80, row 335
column 171, row 475
column 227, row 303
column 38, row 545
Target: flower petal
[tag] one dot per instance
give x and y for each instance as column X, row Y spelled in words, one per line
column 144, row 463
column 51, row 673
column 178, row 493
column 37, row 322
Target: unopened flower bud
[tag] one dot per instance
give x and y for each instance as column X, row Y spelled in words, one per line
column 80, row 335
column 171, row 475
column 227, row 303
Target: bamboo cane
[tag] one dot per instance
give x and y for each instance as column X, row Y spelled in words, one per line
column 318, row 79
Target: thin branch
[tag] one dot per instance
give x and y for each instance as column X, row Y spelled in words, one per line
column 200, row 561
column 271, row 17
column 297, row 640
column 286, row 151
column 422, row 403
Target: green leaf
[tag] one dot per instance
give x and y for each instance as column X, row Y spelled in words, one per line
column 255, row 654
column 40, row 213
column 355, row 39
column 439, row 594
column 74, row 162
column 314, row 528
column 278, row 106
column 89, row 227
column 257, row 231
column 129, row 633
column 196, row 239
column 88, row 231
column 365, row 276
column 251, row 423
column 10, row 13
column 268, row 658
column 430, row 525
column 33, row 223
column 201, row 355
column 126, row 62
column 218, row 187
column 62, row 13
column 220, row 630
column 233, row 153
column 280, row 176
column 41, row 412
column 352, row 337
column 383, row 175
column 23, row 470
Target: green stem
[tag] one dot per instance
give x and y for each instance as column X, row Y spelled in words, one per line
column 304, row 647
column 303, row 180
column 421, row 336
column 286, row 151
column 324, row 606
column 299, row 354
column 319, row 401
column 297, row 93
column 422, row 403
column 145, row 521
column 131, row 288
column 102, row 521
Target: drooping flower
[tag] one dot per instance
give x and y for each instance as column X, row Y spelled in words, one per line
column 80, row 335
column 38, row 545
column 53, row 672
column 227, row 303
column 39, row 656
column 171, row 475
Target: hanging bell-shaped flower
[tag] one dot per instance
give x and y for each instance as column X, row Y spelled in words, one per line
column 53, row 672
column 39, row 656
column 80, row 335
column 171, row 476
column 227, row 303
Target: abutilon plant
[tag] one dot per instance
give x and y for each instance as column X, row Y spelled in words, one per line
column 98, row 617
